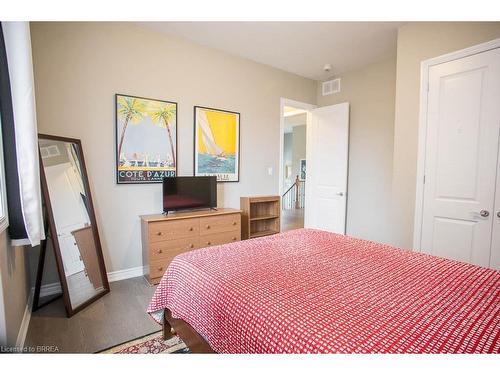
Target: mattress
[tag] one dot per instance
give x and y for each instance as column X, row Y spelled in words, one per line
column 310, row 291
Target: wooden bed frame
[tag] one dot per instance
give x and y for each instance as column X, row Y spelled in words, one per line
column 194, row 341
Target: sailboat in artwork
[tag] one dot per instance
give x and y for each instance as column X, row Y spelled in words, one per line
column 208, row 138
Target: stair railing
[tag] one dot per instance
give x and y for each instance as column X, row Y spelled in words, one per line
column 294, row 197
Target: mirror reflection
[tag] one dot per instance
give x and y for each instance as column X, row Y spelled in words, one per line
column 72, row 217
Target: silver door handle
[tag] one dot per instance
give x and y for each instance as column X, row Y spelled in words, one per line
column 340, row 194
column 498, row 214
column 482, row 213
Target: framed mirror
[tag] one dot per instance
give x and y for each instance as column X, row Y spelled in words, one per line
column 71, row 222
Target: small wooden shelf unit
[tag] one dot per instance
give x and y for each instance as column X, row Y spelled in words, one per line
column 260, row 216
column 164, row 237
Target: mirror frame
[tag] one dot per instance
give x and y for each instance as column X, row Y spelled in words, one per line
column 70, row 311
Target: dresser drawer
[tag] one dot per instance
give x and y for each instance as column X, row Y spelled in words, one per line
column 220, row 224
column 165, row 249
column 220, row 238
column 158, row 267
column 172, row 230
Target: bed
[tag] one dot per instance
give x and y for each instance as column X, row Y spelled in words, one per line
column 310, row 291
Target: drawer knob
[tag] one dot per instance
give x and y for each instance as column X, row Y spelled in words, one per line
column 159, row 233
column 234, row 222
column 207, row 226
column 191, row 245
column 234, row 238
column 209, row 243
column 160, row 251
column 191, row 229
column 160, row 268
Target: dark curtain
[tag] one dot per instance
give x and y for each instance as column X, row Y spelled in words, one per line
column 16, row 229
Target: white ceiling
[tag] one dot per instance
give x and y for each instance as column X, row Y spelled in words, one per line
column 302, row 48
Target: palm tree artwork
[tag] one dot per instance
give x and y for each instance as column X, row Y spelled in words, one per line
column 132, row 110
column 146, row 152
column 162, row 115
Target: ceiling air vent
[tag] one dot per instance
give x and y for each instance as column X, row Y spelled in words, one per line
column 331, row 87
column 49, row 151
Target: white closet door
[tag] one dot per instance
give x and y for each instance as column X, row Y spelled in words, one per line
column 461, row 158
column 495, row 239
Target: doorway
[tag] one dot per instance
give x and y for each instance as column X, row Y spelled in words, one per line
column 313, row 166
column 294, row 167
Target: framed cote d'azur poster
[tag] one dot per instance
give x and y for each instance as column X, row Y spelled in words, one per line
column 216, row 144
column 146, row 139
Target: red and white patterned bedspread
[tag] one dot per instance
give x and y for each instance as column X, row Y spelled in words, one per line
column 309, row 291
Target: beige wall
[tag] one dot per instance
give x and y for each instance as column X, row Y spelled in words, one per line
column 14, row 282
column 370, row 92
column 418, row 42
column 80, row 66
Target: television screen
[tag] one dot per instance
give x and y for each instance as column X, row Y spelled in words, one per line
column 181, row 193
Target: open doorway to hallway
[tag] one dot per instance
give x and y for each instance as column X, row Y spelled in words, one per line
column 294, row 167
column 313, row 188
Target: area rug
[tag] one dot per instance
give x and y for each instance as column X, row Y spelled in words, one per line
column 149, row 344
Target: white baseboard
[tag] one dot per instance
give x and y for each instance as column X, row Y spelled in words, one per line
column 50, row 289
column 25, row 323
column 55, row 288
column 127, row 273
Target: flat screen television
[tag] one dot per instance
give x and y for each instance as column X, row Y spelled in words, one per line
column 186, row 193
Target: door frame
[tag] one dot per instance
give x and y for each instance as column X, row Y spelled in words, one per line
column 288, row 103
column 422, row 125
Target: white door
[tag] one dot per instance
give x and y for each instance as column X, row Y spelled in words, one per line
column 495, row 239
column 326, row 182
column 69, row 212
column 463, row 116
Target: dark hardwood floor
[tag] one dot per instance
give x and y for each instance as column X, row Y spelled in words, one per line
column 117, row 317
column 292, row 219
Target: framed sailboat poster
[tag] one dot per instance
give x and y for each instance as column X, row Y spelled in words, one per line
column 146, row 139
column 217, row 144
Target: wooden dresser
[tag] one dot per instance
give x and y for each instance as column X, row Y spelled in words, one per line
column 164, row 237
